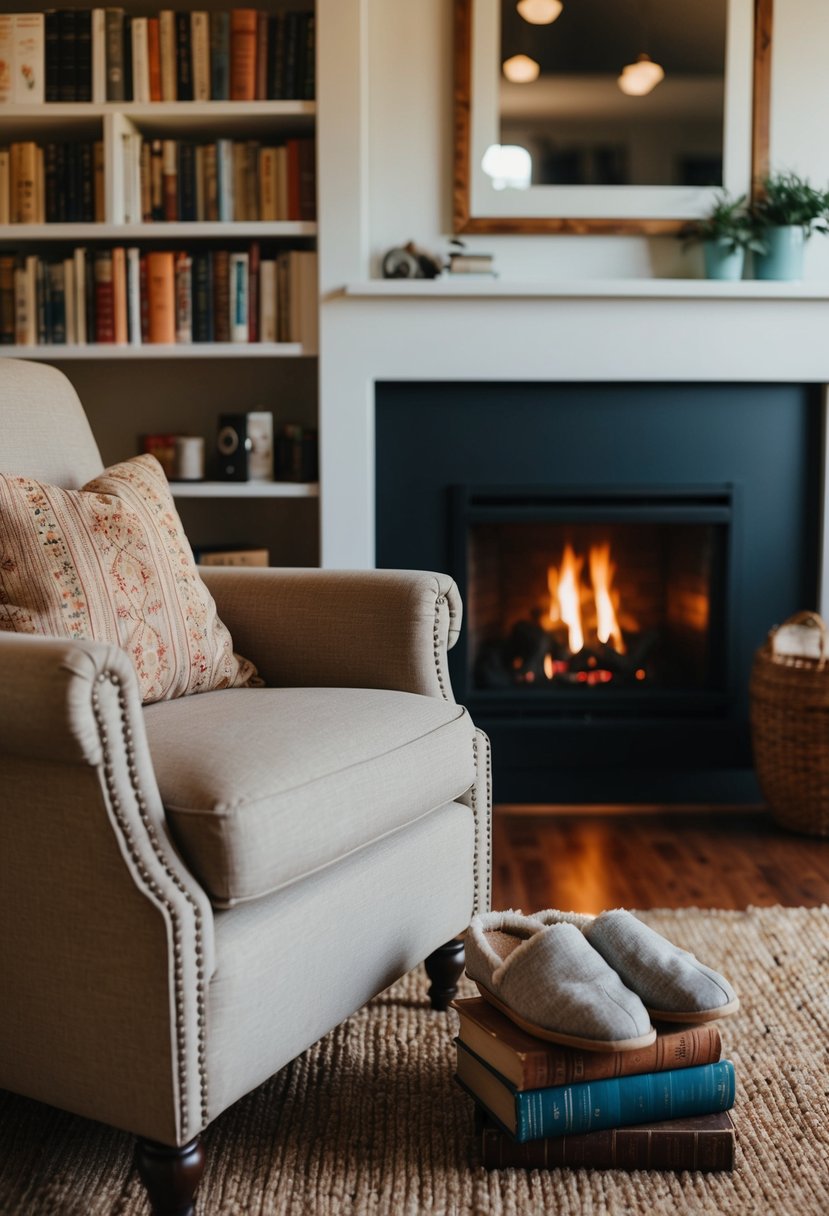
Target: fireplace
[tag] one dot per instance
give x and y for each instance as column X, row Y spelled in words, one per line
column 595, row 597
column 621, row 550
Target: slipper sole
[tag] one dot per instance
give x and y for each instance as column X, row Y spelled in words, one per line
column 566, row 1040
column 698, row 1017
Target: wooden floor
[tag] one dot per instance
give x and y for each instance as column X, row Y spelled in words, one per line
column 588, row 860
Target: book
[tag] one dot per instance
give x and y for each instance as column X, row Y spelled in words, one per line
column 559, row 1110
column 184, row 57
column 161, row 296
column 154, row 58
column 704, row 1142
column 220, row 56
column 5, row 186
column 243, row 555
column 83, row 52
column 184, row 298
column 119, row 296
column 134, row 296
column 200, row 40
column 202, row 296
column 531, row 1063
column 114, row 35
column 167, row 52
column 127, row 57
column 6, row 299
column 140, row 59
column 169, row 178
column 67, row 55
column 243, row 23
column 99, row 62
column 29, row 54
column 104, row 297
column 221, row 296
column 51, row 55
column 239, row 297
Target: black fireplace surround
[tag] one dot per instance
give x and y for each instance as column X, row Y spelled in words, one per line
column 680, row 520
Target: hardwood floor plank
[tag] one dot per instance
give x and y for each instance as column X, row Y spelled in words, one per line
column 589, row 860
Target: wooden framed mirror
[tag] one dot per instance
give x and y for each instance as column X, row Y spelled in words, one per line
column 580, row 146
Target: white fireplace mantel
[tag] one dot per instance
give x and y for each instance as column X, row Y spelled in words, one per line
column 648, row 330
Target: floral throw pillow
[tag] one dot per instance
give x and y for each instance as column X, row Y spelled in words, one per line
column 110, row 562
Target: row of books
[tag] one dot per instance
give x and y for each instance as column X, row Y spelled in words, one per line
column 124, row 295
column 52, row 183
column 539, row 1105
column 172, row 179
column 104, row 54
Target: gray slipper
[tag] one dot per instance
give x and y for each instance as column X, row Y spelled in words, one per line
column 552, row 983
column 673, row 985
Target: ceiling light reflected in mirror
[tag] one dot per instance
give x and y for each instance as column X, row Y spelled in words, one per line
column 539, row 12
column 520, row 69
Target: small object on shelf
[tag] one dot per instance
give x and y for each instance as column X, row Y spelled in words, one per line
column 260, row 455
column 188, row 460
column 231, row 555
column 233, row 447
column 411, row 262
column 163, row 447
column 465, row 261
column 296, row 453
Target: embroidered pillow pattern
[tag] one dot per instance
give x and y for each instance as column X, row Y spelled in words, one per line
column 111, row 562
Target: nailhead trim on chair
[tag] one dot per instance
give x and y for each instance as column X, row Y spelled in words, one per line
column 439, row 602
column 482, row 897
column 181, row 1061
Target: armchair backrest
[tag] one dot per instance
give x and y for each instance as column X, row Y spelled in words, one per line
column 44, row 432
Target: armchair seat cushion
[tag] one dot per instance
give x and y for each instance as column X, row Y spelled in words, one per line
column 264, row 786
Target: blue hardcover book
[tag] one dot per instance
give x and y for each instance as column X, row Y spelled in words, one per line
column 562, row 1110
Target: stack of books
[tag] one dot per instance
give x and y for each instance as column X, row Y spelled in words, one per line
column 541, row 1106
column 462, row 262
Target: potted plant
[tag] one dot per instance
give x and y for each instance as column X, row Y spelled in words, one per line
column 786, row 214
column 724, row 233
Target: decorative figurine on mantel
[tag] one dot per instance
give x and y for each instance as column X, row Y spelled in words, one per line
column 411, row 262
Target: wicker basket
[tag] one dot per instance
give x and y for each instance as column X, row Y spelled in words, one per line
column 790, row 732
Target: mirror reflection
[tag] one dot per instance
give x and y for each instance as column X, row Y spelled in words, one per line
column 610, row 92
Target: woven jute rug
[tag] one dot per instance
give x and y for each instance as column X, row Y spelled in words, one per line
column 369, row 1120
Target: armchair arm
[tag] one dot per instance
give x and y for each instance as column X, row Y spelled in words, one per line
column 108, row 943
column 352, row 629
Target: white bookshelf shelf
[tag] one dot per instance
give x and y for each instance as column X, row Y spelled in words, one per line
column 175, row 112
column 180, row 230
column 191, row 350
column 245, row 489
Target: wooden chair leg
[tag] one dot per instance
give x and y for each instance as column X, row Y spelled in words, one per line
column 444, row 968
column 170, row 1175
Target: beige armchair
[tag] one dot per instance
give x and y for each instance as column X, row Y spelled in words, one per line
column 193, row 892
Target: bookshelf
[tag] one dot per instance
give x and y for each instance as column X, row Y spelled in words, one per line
column 182, row 387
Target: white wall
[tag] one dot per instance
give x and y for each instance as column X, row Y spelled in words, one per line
column 410, row 145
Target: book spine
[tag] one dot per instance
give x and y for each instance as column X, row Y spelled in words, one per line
column 69, row 301
column 134, row 296
column 5, row 186
column 184, row 298
column 25, row 205
column 623, row 1101
column 293, row 54
column 67, row 40
column 51, row 184
column 267, row 300
column 140, row 60
column 239, row 297
column 169, row 178
column 309, row 76
column 7, row 59
column 220, row 56
column 276, row 57
column 167, row 48
column 619, row 1148
column 200, row 37
column 154, row 57
column 127, row 58
column 56, row 323
column 243, row 23
column 81, row 309
column 144, row 297
column 7, row 300
column 202, row 297
column 680, row 1049
column 186, row 181
column 292, row 150
column 146, row 181
column 114, row 29
column 307, row 186
column 156, row 180
column 99, row 58
column 29, row 56
column 184, row 58
column 224, row 179
column 261, row 85
column 161, row 294
column 51, row 55
column 119, row 296
column 254, row 261
column 83, row 44
column 104, row 299
column 211, row 184
column 86, row 169
column 98, row 180
column 221, row 296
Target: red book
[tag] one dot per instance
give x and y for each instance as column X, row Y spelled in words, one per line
column 104, row 299
column 154, row 56
column 243, row 23
column 292, row 150
column 221, row 296
column 262, row 57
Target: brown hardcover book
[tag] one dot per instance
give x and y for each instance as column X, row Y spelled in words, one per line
column 531, row 1063
column 119, row 295
column 7, row 300
column 221, row 295
column 154, row 56
column 161, row 297
column 225, row 556
column 104, row 299
column 243, row 23
column 262, row 56
column 705, row 1142
column 307, row 187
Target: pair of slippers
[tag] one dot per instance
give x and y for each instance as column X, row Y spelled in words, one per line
column 588, row 982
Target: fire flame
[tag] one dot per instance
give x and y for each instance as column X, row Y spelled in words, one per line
column 567, row 596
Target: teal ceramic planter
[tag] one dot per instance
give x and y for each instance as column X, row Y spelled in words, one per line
column 784, row 259
column 723, row 260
